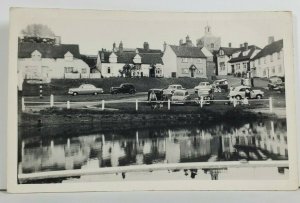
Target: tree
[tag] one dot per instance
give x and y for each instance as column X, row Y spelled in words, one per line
column 37, row 30
column 126, row 71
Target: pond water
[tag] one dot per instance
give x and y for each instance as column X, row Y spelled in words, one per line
column 261, row 140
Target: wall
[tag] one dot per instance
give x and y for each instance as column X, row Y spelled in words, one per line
column 225, row 60
column 169, row 60
column 183, row 67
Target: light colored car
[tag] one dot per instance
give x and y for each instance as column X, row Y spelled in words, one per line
column 180, row 97
column 85, row 89
column 203, row 85
column 171, row 89
column 239, row 92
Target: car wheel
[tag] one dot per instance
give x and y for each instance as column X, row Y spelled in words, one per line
column 131, row 92
column 258, row 96
column 238, row 97
column 95, row 93
column 75, row 93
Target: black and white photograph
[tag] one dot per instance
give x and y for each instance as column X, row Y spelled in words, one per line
column 120, row 100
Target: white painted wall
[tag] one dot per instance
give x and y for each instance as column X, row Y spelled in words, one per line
column 169, row 60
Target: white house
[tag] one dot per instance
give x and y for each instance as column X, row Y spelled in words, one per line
column 41, row 61
column 224, row 55
column 142, row 62
column 269, row 61
column 184, row 61
column 240, row 60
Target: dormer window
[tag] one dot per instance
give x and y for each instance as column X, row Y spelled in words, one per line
column 245, row 53
column 36, row 55
column 137, row 59
column 68, row 56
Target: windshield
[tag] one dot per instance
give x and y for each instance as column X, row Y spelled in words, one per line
column 179, row 94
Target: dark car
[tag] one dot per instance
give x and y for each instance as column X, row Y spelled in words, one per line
column 222, row 84
column 275, row 83
column 123, row 88
column 158, row 93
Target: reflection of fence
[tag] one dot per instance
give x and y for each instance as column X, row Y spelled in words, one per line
column 153, row 167
column 103, row 103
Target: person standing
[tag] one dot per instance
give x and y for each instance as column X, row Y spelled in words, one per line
column 153, row 99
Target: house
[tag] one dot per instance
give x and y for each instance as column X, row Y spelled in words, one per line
column 184, row 61
column 140, row 62
column 209, row 41
column 269, row 61
column 45, row 61
column 240, row 60
column 224, row 55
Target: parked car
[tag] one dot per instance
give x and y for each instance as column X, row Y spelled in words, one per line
column 123, row 88
column 158, row 93
column 239, row 92
column 168, row 92
column 85, row 89
column 222, row 84
column 274, row 83
column 203, row 85
column 207, row 94
column 180, row 97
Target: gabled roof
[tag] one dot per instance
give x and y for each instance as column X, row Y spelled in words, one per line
column 48, row 50
column 187, row 52
column 241, row 57
column 91, row 60
column 270, row 49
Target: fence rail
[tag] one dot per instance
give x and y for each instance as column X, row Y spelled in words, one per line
column 201, row 102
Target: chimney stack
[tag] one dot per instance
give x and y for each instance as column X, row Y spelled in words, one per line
column 270, row 39
column 229, row 44
column 180, row 42
column 57, row 40
column 121, row 47
column 146, row 45
column 246, row 45
column 114, row 46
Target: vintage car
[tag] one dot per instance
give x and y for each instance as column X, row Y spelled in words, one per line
column 85, row 89
column 123, row 88
column 276, row 83
column 168, row 92
column 203, row 85
column 180, row 97
column 239, row 92
column 222, row 84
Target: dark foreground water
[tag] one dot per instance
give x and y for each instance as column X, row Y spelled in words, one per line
column 39, row 150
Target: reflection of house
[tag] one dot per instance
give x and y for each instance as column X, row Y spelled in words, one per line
column 224, row 54
column 269, row 61
column 44, row 61
column 240, row 60
column 142, row 62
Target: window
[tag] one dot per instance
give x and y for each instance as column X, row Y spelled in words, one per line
column 184, row 60
column 83, row 71
column 221, row 53
column 264, row 72
column 245, row 66
column 271, row 58
column 108, row 70
column 69, row 69
column 222, row 66
column 173, row 74
column 259, row 61
column 238, row 66
column 278, row 55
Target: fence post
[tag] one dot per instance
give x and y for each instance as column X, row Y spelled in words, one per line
column 201, row 101
column 68, row 105
column 51, row 100
column 103, row 103
column 271, row 104
column 23, row 104
column 169, row 104
column 136, row 105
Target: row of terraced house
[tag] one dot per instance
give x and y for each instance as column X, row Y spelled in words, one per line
column 49, row 59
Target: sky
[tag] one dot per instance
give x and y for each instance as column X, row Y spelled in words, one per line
column 94, row 30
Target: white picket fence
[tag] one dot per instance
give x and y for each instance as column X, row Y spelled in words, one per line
column 201, row 102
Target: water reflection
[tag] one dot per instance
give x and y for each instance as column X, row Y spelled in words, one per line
column 252, row 141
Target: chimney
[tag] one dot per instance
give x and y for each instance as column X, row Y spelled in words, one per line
column 146, row 45
column 165, row 46
column 114, row 46
column 241, row 45
column 121, row 47
column 246, row 45
column 229, row 44
column 187, row 39
column 57, row 40
column 102, row 56
column 180, row 42
column 270, row 39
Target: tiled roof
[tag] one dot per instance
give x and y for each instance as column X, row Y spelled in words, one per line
column 241, row 57
column 142, row 50
column 90, row 60
column 188, row 52
column 229, row 50
column 270, row 49
column 48, row 50
column 151, row 58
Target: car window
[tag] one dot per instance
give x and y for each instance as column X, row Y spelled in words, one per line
column 186, row 93
column 178, row 94
column 242, row 90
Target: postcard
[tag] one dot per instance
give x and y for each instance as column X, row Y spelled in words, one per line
column 125, row 101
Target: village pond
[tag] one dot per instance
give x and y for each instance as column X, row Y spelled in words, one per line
column 260, row 140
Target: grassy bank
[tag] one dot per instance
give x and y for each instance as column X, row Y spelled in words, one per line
column 61, row 86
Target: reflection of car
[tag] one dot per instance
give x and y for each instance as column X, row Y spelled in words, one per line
column 203, row 85
column 124, row 88
column 171, row 89
column 180, row 96
column 240, row 92
column 274, row 82
column 222, row 84
column 85, row 89
column 158, row 93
